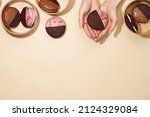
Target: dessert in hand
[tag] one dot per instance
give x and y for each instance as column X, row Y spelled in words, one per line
column 50, row 6
column 98, row 20
column 55, row 27
column 28, row 17
column 141, row 13
column 11, row 17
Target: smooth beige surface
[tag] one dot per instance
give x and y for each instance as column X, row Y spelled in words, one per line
column 74, row 67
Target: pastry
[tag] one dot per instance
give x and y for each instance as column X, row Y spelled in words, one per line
column 130, row 22
column 11, row 17
column 141, row 13
column 55, row 27
column 50, row 6
column 28, row 17
column 97, row 20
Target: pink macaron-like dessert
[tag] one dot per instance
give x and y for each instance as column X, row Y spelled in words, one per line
column 98, row 20
column 55, row 27
column 28, row 17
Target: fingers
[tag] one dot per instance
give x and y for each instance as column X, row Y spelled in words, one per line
column 89, row 31
column 96, row 33
column 95, row 4
column 112, row 27
column 99, row 32
column 86, row 30
column 93, row 35
column 81, row 19
column 104, row 32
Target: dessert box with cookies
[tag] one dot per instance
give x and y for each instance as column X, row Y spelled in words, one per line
column 21, row 18
column 137, row 17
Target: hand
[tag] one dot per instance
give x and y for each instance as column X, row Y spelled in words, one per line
column 86, row 7
column 110, row 7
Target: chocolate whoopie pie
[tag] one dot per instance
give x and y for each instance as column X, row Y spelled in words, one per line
column 130, row 22
column 11, row 17
column 97, row 20
column 141, row 13
column 50, row 6
column 55, row 27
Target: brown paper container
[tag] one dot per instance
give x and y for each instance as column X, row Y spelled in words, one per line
column 21, row 31
column 144, row 28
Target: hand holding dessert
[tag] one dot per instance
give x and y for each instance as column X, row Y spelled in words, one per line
column 86, row 7
column 108, row 8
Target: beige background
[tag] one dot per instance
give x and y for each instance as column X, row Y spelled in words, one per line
column 74, row 67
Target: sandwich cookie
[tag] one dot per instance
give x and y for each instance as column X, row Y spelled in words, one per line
column 141, row 13
column 55, row 27
column 98, row 20
column 50, row 6
column 28, row 17
column 11, row 17
column 130, row 22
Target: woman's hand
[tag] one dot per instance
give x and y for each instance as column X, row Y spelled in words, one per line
column 86, row 7
column 110, row 7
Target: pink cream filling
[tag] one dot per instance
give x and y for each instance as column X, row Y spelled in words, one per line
column 55, row 21
column 30, row 16
column 104, row 17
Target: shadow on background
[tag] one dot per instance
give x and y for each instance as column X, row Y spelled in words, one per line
column 120, row 15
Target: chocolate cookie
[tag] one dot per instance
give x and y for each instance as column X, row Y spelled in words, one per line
column 11, row 17
column 130, row 22
column 141, row 13
column 97, row 20
column 50, row 6
column 55, row 27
